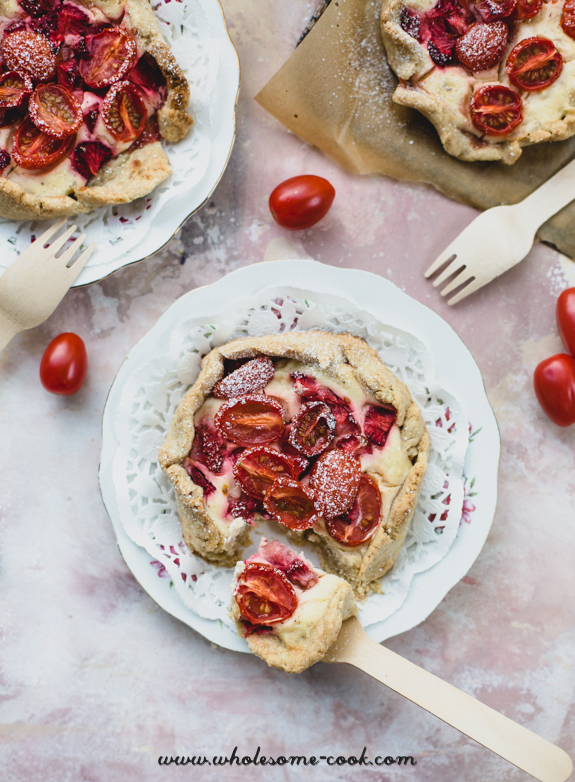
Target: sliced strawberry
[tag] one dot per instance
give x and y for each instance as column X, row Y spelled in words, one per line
column 335, row 481
column 308, row 388
column 410, row 22
column 378, row 421
column 71, row 20
column 37, row 8
column 45, row 24
column 245, row 507
column 68, row 74
column 247, row 379
column 150, row 133
column 89, row 157
column 295, row 568
column 4, row 159
column 356, row 444
column 199, row 478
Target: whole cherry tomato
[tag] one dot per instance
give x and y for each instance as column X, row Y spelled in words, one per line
column 565, row 311
column 301, row 201
column 64, row 364
column 554, row 383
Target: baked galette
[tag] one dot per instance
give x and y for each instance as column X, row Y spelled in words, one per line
column 289, row 612
column 492, row 75
column 309, row 429
column 87, row 91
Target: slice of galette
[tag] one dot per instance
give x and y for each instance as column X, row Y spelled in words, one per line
column 289, row 612
column 310, row 429
column 88, row 90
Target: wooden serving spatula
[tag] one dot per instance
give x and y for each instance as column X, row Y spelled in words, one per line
column 506, row 738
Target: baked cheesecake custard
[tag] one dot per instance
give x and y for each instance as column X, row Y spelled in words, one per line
column 87, row 91
column 309, row 429
column 289, row 612
column 492, row 75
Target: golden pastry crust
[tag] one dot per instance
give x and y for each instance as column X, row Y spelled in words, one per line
column 442, row 95
column 342, row 357
column 132, row 174
column 311, row 648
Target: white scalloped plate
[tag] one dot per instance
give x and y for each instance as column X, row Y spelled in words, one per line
column 197, row 33
column 455, row 370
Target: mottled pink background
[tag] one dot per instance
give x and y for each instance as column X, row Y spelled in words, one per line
column 96, row 681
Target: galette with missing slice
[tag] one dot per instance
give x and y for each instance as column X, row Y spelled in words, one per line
column 88, row 90
column 289, row 612
column 307, row 429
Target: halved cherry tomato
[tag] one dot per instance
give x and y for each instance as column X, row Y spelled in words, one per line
column 335, row 481
column 291, row 504
column 32, row 149
column 312, row 429
column 14, row 87
column 124, row 111
column 554, row 383
column 534, row 64
column 112, row 54
column 568, row 18
column 301, row 201
column 55, row 110
column 264, row 595
column 361, row 521
column 495, row 110
column 247, row 379
column 30, row 53
column 258, row 468
column 565, row 313
column 526, row 9
column 254, row 419
column 482, row 46
column 64, row 364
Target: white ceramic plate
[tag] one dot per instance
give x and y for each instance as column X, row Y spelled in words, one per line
column 455, row 370
column 196, row 31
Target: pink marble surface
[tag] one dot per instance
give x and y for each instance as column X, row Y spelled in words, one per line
column 96, row 681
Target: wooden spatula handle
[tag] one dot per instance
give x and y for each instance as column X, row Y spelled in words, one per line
column 8, row 329
column 511, row 741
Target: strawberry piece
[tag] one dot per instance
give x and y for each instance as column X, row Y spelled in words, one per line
column 71, row 20
column 208, row 448
column 89, row 157
column 335, row 481
column 246, row 507
column 308, row 388
column 68, row 74
column 247, row 379
column 90, row 119
column 410, row 22
column 150, row 133
column 199, row 478
column 147, row 74
column 37, row 8
column 377, row 423
column 44, row 24
column 356, row 444
column 297, row 569
column 4, row 159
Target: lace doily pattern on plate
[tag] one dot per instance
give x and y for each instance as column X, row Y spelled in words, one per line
column 146, row 503
column 118, row 229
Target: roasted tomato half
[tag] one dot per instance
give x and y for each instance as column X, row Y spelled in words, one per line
column 534, row 64
column 312, row 429
column 528, row 8
column 568, row 18
column 112, row 55
column 31, row 53
column 291, row 504
column 264, row 595
column 124, row 111
column 257, row 469
column 55, row 110
column 14, row 87
column 255, row 419
column 496, row 110
column 32, row 148
column 359, row 524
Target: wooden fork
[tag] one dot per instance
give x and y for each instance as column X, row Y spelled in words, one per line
column 506, row 738
column 33, row 286
column 500, row 237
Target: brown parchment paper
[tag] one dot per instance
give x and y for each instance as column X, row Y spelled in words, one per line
column 335, row 92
